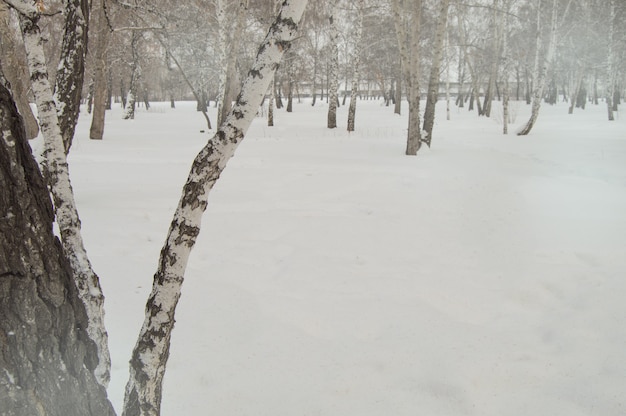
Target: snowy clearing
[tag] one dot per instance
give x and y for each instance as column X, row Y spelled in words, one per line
column 336, row 276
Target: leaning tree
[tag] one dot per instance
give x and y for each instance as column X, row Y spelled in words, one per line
column 48, row 353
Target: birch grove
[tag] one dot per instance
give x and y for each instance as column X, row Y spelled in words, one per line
column 197, row 50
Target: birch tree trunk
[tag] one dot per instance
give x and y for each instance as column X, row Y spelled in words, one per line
column 356, row 63
column 505, row 67
column 333, row 86
column 99, row 45
column 149, row 358
column 230, row 58
column 270, row 105
column 57, row 175
column 433, row 80
column 47, row 359
column 578, row 82
column 542, row 75
column 610, row 70
column 15, row 69
column 71, row 72
column 493, row 72
column 222, row 42
column 407, row 24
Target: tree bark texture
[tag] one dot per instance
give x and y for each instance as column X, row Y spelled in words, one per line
column 15, row 69
column 610, row 70
column 57, row 175
column 407, row 24
column 541, row 74
column 46, row 356
column 149, row 358
column 333, row 86
column 99, row 42
column 356, row 64
column 433, row 80
column 71, row 70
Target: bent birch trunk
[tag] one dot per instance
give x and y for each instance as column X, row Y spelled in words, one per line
column 149, row 358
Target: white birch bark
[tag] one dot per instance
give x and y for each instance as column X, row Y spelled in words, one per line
column 493, row 72
column 610, row 70
column 407, row 24
column 506, row 69
column 270, row 106
column 333, row 86
column 433, row 81
column 542, row 75
column 446, row 47
column 57, row 175
column 222, row 47
column 356, row 64
column 149, row 358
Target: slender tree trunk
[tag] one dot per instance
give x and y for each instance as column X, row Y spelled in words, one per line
column 333, row 86
column 99, row 46
column 610, row 70
column 47, row 359
column 577, row 86
column 131, row 98
column 69, row 81
column 447, row 81
column 149, row 358
column 433, row 80
column 540, row 79
column 506, row 68
column 356, row 64
column 222, row 42
column 407, row 24
column 15, row 69
column 57, row 174
column 270, row 106
column 231, row 62
column 201, row 102
column 397, row 105
column 493, row 72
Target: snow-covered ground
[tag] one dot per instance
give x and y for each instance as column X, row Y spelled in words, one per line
column 335, row 276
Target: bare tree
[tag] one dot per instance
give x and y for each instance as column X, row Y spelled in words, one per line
column 149, row 358
column 610, row 70
column 99, row 40
column 407, row 17
column 433, row 80
column 542, row 64
column 333, row 83
column 356, row 62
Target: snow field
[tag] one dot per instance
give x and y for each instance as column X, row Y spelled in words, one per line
column 336, row 276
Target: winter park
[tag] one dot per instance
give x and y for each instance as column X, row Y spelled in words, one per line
column 351, row 207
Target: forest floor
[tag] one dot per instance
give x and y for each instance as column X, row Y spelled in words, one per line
column 336, row 276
